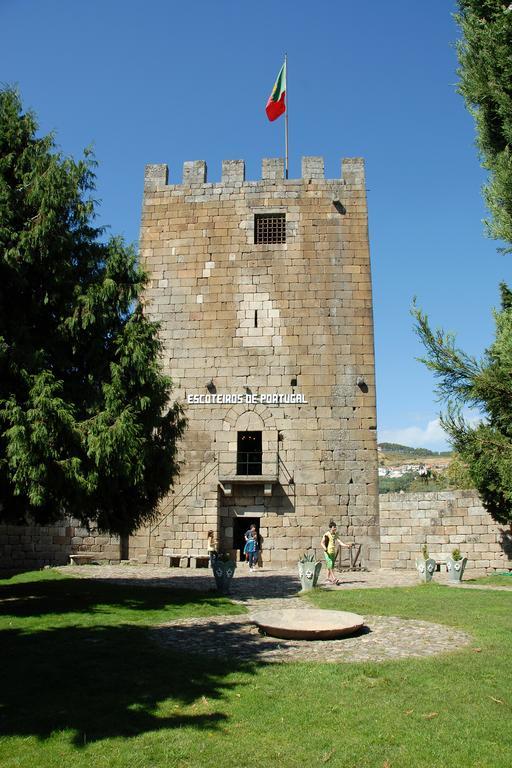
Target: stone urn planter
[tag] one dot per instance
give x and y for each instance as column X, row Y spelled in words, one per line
column 223, row 570
column 455, row 566
column 426, row 568
column 309, row 571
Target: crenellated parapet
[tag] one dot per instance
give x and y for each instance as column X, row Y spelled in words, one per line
column 195, row 173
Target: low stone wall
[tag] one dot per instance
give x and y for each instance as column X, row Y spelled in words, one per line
column 444, row 520
column 27, row 547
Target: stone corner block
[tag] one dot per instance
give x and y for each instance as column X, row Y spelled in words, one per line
column 194, row 172
column 272, row 168
column 233, row 171
column 313, row 168
column 155, row 175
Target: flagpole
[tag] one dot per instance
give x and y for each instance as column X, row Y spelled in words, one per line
column 286, row 120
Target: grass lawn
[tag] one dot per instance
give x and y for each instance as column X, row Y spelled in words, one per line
column 83, row 684
column 496, row 580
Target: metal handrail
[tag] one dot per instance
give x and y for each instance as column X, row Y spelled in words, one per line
column 185, row 492
column 288, row 474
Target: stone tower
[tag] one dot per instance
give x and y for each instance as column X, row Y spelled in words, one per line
column 263, row 292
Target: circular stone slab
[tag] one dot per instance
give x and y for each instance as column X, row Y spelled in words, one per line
column 307, row 624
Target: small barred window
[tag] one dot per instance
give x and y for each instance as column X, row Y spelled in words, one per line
column 270, row 228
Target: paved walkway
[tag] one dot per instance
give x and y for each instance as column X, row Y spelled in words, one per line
column 383, row 638
column 262, row 582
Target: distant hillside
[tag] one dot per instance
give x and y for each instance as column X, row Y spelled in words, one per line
column 405, row 449
column 399, row 469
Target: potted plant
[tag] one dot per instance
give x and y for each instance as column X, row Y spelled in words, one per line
column 223, row 567
column 425, row 566
column 309, row 570
column 455, row 565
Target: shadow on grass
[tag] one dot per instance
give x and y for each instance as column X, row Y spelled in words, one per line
column 103, row 682
column 59, row 596
column 245, row 585
column 76, row 658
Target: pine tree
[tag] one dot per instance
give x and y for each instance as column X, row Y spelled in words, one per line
column 463, row 381
column 486, row 84
column 486, row 385
column 85, row 422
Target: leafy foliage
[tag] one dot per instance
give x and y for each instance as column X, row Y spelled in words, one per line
column 85, row 426
column 486, row 384
column 457, row 474
column 398, row 448
column 308, row 557
column 486, row 84
column 411, row 482
column 486, row 448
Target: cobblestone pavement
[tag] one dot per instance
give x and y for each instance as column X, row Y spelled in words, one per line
column 383, row 637
column 261, row 583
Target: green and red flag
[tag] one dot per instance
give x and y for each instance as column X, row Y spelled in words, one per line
column 276, row 104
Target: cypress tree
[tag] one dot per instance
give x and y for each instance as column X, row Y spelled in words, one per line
column 85, row 423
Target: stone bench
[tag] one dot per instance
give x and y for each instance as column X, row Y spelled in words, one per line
column 178, row 561
column 83, row 558
column 440, row 559
column 183, row 561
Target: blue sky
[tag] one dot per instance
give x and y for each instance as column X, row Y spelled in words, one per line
column 159, row 81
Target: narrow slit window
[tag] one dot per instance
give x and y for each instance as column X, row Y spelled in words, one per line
column 255, row 318
column 270, row 228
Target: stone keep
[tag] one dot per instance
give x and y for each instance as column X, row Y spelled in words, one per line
column 270, row 347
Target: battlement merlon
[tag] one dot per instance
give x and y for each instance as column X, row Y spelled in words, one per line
column 233, row 173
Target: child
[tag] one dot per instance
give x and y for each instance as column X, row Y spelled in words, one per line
column 330, row 543
column 251, row 549
column 248, row 535
column 211, row 547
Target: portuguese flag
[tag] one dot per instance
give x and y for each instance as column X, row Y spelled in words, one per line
column 276, row 104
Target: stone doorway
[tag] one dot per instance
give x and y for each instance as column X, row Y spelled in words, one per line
column 240, row 526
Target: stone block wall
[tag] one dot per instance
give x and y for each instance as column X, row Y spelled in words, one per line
column 29, row 547
column 249, row 319
column 444, row 520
